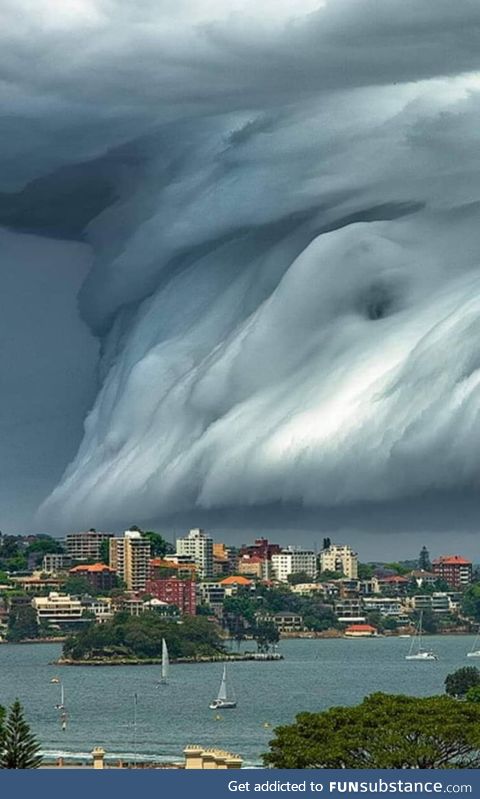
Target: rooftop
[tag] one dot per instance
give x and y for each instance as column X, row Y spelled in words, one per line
column 92, row 568
column 235, row 579
column 452, row 560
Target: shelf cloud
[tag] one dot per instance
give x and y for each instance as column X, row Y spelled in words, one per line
column 281, row 201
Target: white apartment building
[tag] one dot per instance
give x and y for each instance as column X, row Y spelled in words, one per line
column 198, row 545
column 294, row 561
column 86, row 546
column 101, row 608
column 130, row 557
column 57, row 608
column 340, row 558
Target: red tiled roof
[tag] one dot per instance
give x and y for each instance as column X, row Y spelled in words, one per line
column 394, row 578
column 452, row 560
column 92, row 567
column 235, row 580
column 361, row 628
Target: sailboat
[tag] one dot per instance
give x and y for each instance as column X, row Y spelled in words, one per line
column 475, row 651
column 222, row 702
column 61, row 705
column 165, row 663
column 416, row 650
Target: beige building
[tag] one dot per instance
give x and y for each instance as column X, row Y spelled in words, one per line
column 340, row 558
column 57, row 608
column 199, row 758
column 130, row 558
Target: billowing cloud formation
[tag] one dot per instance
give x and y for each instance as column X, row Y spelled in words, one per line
column 287, row 281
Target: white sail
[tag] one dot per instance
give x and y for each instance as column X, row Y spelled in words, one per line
column 475, row 650
column 225, row 697
column 222, row 694
column 416, row 644
column 165, row 660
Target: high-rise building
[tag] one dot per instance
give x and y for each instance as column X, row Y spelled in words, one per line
column 130, row 558
column 199, row 546
column 455, row 570
column 294, row 561
column 87, row 545
column 339, row 558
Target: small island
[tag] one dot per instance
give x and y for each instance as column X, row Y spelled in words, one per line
column 137, row 640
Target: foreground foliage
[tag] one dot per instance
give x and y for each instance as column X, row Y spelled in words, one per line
column 141, row 637
column 18, row 746
column 459, row 682
column 384, row 731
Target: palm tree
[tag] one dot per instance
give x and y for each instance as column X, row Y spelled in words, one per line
column 18, row 746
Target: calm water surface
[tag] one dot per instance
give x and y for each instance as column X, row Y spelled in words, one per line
column 314, row 675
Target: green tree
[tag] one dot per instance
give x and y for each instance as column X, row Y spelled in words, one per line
column 398, row 568
column 365, row 571
column 384, row 731
column 22, row 623
column 77, row 586
column 424, row 559
column 44, row 545
column 265, row 634
column 299, row 577
column 19, row 747
column 459, row 682
column 471, row 602
column 160, row 547
column 473, row 694
column 105, row 552
column 329, row 575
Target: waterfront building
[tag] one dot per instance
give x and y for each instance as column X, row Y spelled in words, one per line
column 438, row 602
column 57, row 608
column 294, row 561
column 361, row 631
column 284, row 621
column 86, row 545
column 55, row 562
column 99, row 576
column 174, row 591
column 454, row 569
column 387, row 606
column 350, row 610
column 339, row 558
column 199, row 546
column 130, row 557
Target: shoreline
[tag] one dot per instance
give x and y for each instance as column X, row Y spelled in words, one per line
column 241, row 657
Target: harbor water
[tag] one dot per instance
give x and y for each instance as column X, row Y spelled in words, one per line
column 314, row 675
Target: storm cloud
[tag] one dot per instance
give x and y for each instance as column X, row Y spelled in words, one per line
column 281, row 202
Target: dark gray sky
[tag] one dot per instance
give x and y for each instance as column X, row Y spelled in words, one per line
column 250, row 293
